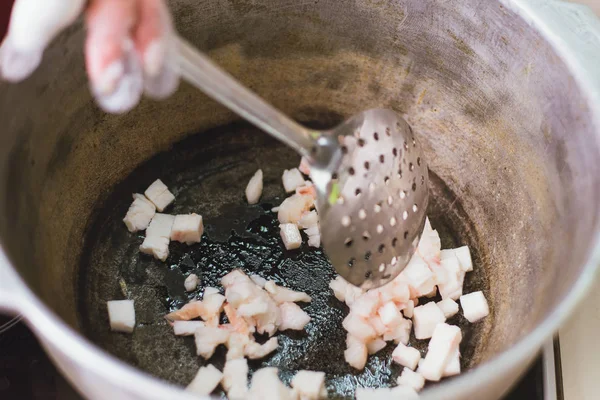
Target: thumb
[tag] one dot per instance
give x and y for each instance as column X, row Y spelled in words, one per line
column 33, row 25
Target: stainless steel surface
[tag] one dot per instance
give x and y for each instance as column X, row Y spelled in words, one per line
column 504, row 98
column 550, row 388
column 369, row 171
column 371, row 228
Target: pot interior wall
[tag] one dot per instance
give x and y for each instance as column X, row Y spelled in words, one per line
column 503, row 124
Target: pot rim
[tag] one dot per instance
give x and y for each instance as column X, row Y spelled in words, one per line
column 64, row 341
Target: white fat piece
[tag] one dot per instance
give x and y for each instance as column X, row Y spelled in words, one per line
column 449, row 307
column 121, row 315
column 208, row 338
column 310, row 385
column 186, row 328
column 282, row 294
column 453, row 366
column 475, row 306
column 411, row 379
column 156, row 246
column 290, row 236
column 140, row 213
column 426, row 318
column 356, row 352
column 235, row 378
column 255, row 351
column 292, row 317
column 293, row 208
column 267, row 386
column 206, row 380
column 442, row 347
column 406, row 356
column 159, row 194
column 292, row 179
column 191, row 282
column 160, row 226
column 187, row 228
column 255, row 187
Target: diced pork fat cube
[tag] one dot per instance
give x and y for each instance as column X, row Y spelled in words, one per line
column 426, row 318
column 256, row 306
column 290, row 236
column 235, row 378
column 312, row 231
column 449, row 307
column 453, row 288
column 156, row 246
column 307, row 189
column 408, row 310
column 121, row 315
column 366, row 305
column 395, row 393
column 139, row 214
column 255, row 187
column 390, row 315
column 356, row 353
column 358, row 327
column 308, row 220
column 411, row 379
column 191, row 310
column 269, row 321
column 235, row 276
column 314, row 241
column 267, row 386
column 210, row 290
column 293, row 317
column 464, row 257
column 258, row 280
column 206, row 380
column 475, row 306
column 158, row 193
column 186, row 328
column 236, row 345
column 338, row 285
column 292, row 179
column 310, row 385
column 400, row 333
column 207, row 339
column 453, row 366
column 187, row 228
column 292, row 208
column 378, row 325
column 212, row 305
column 160, row 226
column 419, row 276
column 191, row 282
column 376, row 345
column 430, row 245
column 304, row 166
column 255, row 351
column 282, row 294
column 406, row 356
column 442, row 346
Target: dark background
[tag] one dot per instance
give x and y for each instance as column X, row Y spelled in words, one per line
column 5, row 7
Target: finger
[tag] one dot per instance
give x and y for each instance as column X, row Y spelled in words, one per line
column 113, row 67
column 33, row 24
column 154, row 42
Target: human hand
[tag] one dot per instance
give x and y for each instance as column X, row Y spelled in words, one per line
column 127, row 46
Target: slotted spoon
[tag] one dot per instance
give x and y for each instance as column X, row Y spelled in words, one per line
column 369, row 173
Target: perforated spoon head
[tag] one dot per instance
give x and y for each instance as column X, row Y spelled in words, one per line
column 372, row 194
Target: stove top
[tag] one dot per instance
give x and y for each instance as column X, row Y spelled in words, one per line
column 27, row 373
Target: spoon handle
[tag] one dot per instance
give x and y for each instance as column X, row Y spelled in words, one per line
column 202, row 73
